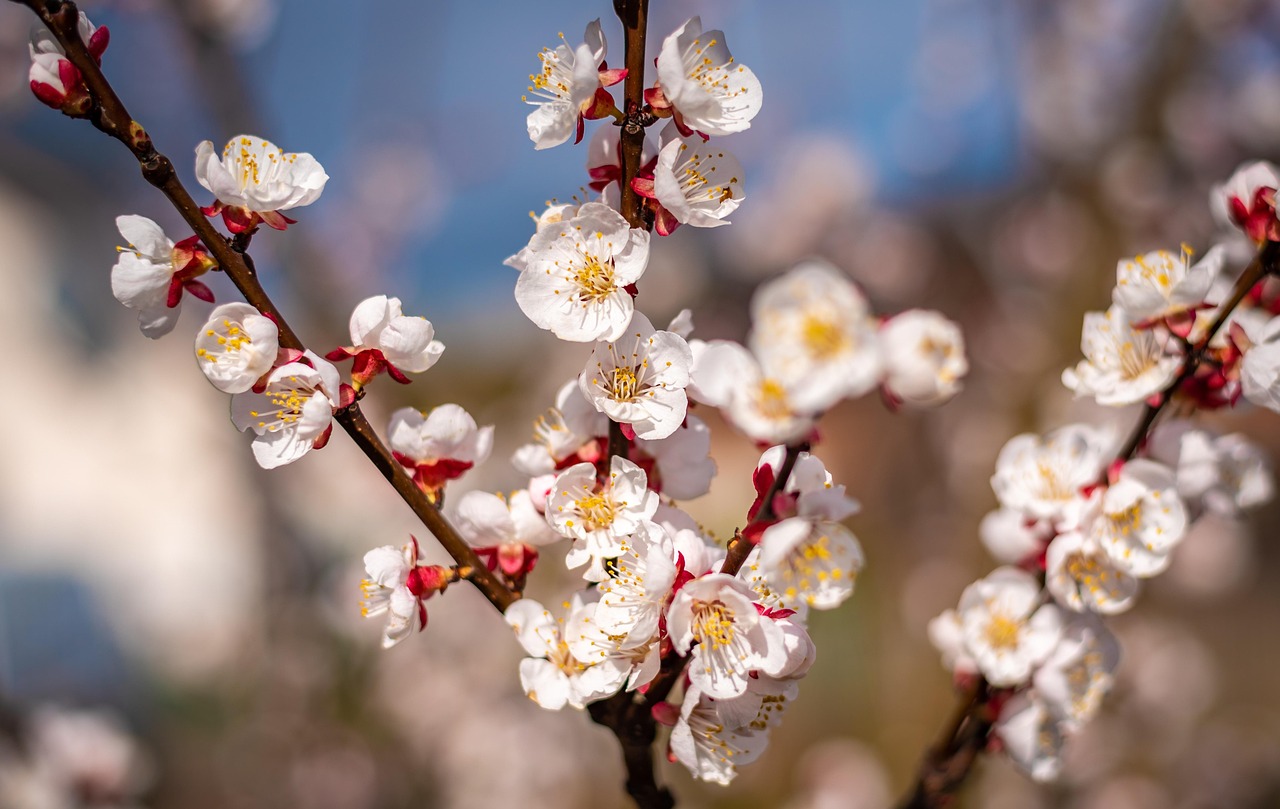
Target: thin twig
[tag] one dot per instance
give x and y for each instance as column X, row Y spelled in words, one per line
column 111, row 117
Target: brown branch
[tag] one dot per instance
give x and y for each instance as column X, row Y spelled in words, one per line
column 110, row 116
column 634, row 16
column 947, row 764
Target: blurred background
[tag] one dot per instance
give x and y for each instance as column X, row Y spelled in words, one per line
column 181, row 629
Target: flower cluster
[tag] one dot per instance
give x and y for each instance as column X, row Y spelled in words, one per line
column 621, row 446
column 657, row 585
column 1082, row 522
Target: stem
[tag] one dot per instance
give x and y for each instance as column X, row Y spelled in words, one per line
column 111, row 117
column 740, row 547
column 947, row 764
column 634, row 15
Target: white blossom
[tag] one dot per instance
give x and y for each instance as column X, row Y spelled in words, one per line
column 554, row 214
column 1032, row 736
column 727, row 375
column 632, row 599
column 1248, row 200
column 1223, row 474
column 814, row 335
column 814, row 562
column 395, row 585
column 716, row 616
column 1075, row 678
column 1121, row 365
column 1010, row 537
column 706, row 745
column 380, row 330
column 683, row 466
column 576, row 275
column 1161, row 285
column 54, row 80
column 292, row 415
column 255, row 180
column 152, row 273
column 552, row 676
column 1260, row 368
column 1081, row 576
column 695, row 183
column 598, row 517
column 1043, row 478
column 639, row 379
column 698, row 76
column 438, row 446
column 513, row 529
column 946, row 633
column 923, row 357
column 236, row 347
column 569, row 428
column 565, row 87
column 1007, row 630
column 1142, row 518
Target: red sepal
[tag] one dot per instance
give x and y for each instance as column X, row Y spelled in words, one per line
column 239, row 220
column 644, row 187
column 277, row 220
column 339, row 354
column 48, row 95
column 431, row 477
column 287, row 355
column 664, row 221
column 175, row 292
column 657, row 100
column 608, row 77
column 398, row 375
column 629, row 431
column 577, row 136
column 601, row 106
column 369, row 363
column 665, row 713
column 346, row 395
column 323, row 438
column 198, row 290
column 601, row 176
column 98, row 43
column 1113, row 470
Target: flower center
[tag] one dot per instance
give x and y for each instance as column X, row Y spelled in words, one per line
column 1002, row 632
column 231, row 338
column 773, row 400
column 1123, row 523
column 713, row 624
column 809, row 566
column 597, row 511
column 821, row 336
column 594, row 279
column 624, row 384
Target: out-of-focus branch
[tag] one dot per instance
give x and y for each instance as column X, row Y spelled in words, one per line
column 948, row 763
column 110, row 116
